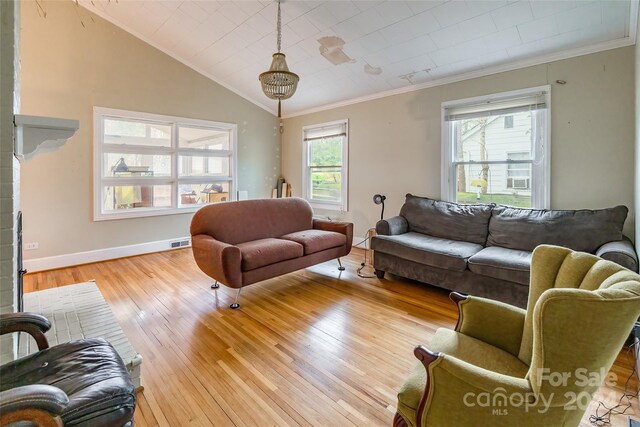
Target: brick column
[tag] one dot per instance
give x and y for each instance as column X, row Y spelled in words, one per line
column 9, row 166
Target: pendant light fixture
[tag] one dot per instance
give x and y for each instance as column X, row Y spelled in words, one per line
column 279, row 83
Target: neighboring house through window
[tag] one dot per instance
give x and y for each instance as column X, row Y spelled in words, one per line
column 495, row 149
column 518, row 174
column 326, row 165
column 149, row 164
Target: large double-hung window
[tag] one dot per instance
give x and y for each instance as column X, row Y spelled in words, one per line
column 148, row 164
column 325, row 165
column 496, row 149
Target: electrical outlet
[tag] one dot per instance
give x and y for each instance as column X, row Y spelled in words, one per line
column 31, row 246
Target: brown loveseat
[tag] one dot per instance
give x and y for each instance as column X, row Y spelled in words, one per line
column 240, row 243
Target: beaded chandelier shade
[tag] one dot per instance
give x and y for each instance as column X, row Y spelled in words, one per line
column 279, row 83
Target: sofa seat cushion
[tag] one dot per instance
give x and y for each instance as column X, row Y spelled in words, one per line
column 259, row 253
column 465, row 348
column 511, row 265
column 89, row 371
column 316, row 240
column 428, row 250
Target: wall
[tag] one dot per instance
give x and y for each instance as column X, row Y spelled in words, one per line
column 394, row 142
column 66, row 71
column 9, row 168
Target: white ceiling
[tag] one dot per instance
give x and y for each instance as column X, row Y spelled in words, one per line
column 389, row 46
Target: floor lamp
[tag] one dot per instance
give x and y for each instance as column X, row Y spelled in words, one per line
column 378, row 199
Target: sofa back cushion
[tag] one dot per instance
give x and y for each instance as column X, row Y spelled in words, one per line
column 466, row 223
column 247, row 220
column 581, row 230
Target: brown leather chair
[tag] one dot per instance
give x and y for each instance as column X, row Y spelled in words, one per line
column 79, row 383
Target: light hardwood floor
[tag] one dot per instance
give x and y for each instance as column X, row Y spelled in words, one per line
column 313, row 348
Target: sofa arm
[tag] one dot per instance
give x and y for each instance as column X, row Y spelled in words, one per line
column 32, row 323
column 218, row 260
column 621, row 252
column 392, row 226
column 345, row 228
column 493, row 322
column 39, row 404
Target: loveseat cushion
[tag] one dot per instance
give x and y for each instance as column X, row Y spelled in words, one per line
column 248, row 220
column 511, row 265
column 259, row 253
column 316, row 240
column 453, row 221
column 581, row 230
column 428, row 250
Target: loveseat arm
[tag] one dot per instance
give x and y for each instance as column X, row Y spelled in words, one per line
column 39, row 404
column 32, row 323
column 493, row 322
column 392, row 226
column 341, row 227
column 621, row 252
column 220, row 261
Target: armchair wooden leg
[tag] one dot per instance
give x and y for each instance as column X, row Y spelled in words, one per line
column 341, row 268
column 398, row 421
column 235, row 304
column 379, row 274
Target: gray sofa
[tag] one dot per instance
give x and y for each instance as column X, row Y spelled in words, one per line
column 485, row 250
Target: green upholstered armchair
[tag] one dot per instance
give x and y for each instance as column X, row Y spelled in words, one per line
column 504, row 366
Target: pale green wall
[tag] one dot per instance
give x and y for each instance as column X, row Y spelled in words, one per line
column 394, row 142
column 66, row 71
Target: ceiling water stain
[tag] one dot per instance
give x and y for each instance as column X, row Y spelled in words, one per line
column 331, row 47
column 408, row 77
column 375, row 71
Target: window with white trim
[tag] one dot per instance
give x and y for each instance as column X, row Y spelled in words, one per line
column 495, row 149
column 325, row 159
column 150, row 164
column 518, row 174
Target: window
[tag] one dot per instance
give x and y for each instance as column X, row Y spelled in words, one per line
column 508, row 122
column 148, row 164
column 518, row 174
column 325, row 165
column 495, row 149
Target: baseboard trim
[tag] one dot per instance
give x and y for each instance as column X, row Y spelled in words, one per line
column 79, row 258
column 87, row 257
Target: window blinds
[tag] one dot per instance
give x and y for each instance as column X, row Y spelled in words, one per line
column 330, row 131
column 496, row 107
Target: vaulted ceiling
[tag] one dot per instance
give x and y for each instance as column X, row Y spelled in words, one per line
column 351, row 50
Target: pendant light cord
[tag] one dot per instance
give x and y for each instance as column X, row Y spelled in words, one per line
column 279, row 27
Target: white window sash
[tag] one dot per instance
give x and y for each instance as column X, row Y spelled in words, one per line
column 102, row 180
column 541, row 139
column 314, row 133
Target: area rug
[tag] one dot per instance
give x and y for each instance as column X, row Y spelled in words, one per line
column 76, row 312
